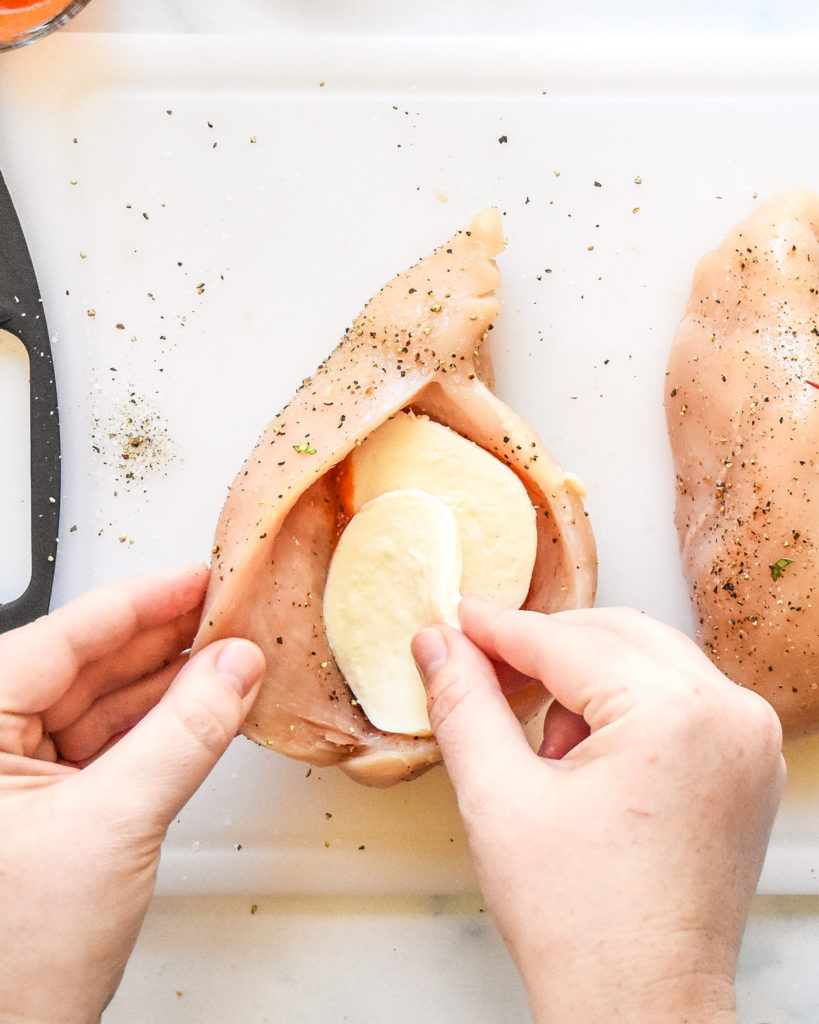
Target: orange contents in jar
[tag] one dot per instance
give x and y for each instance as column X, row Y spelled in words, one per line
column 19, row 18
column 20, row 5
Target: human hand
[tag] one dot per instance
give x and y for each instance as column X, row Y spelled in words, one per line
column 620, row 876
column 101, row 683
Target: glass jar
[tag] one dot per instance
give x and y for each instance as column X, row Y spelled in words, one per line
column 23, row 21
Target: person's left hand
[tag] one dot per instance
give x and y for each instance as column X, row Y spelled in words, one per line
column 106, row 730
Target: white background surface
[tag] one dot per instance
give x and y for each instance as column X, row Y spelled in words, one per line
column 264, row 966
column 188, row 197
column 461, row 17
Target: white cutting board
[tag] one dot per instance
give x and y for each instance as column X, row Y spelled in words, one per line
column 233, row 202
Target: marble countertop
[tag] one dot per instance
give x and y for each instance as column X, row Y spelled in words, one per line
column 258, row 958
column 310, row 961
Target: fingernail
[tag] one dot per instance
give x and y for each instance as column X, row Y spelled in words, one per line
column 241, row 663
column 429, row 650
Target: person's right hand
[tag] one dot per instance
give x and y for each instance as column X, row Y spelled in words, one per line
column 621, row 875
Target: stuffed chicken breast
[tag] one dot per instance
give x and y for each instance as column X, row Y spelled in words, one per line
column 414, row 361
column 743, row 418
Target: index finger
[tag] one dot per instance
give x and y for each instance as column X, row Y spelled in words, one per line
column 39, row 662
column 588, row 659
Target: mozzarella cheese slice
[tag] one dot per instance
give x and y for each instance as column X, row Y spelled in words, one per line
column 495, row 518
column 396, row 568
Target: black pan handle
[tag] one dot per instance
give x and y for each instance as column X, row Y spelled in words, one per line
column 22, row 314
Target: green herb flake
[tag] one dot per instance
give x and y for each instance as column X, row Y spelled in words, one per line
column 305, row 448
column 779, row 567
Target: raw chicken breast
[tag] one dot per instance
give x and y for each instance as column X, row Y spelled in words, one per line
column 419, row 344
column 743, row 420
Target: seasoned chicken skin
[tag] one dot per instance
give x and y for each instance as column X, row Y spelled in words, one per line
column 418, row 345
column 743, row 420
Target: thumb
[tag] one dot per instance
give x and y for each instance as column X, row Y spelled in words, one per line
column 156, row 767
column 478, row 734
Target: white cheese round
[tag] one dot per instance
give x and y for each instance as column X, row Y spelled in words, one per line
column 495, row 518
column 396, row 568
